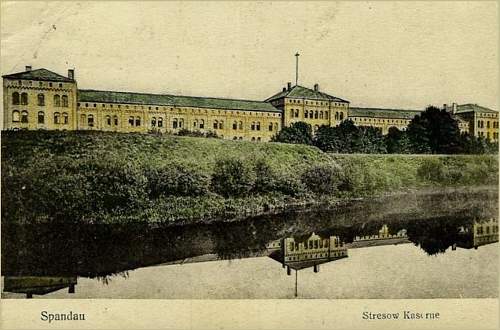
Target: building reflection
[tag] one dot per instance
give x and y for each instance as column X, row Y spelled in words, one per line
column 383, row 237
column 477, row 233
column 38, row 285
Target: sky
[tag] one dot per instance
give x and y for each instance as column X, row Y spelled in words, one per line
column 378, row 54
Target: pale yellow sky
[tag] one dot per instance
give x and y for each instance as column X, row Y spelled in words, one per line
column 380, row 54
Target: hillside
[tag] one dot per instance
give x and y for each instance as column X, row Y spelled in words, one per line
column 114, row 177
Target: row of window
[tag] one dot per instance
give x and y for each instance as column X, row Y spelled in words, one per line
column 488, row 135
column 40, row 83
column 59, row 118
column 480, row 231
column 314, row 102
column 480, row 124
column 23, row 99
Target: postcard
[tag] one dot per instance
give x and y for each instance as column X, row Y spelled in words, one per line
column 249, row 165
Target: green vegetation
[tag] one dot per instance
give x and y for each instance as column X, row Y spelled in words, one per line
column 96, row 177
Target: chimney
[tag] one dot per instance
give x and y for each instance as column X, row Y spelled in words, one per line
column 284, row 89
column 445, row 107
column 316, row 87
column 454, row 108
column 28, row 67
column 289, row 85
column 71, row 74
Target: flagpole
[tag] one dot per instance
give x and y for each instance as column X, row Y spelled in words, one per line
column 297, row 68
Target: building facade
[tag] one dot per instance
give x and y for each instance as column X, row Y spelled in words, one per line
column 42, row 99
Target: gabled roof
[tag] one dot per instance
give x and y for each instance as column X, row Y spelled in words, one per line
column 473, row 108
column 87, row 95
column 301, row 92
column 383, row 113
column 38, row 74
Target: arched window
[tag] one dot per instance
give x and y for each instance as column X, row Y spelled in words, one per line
column 311, row 114
column 202, row 124
column 270, row 127
column 90, row 120
column 137, row 121
column 336, row 115
column 65, row 117
column 15, row 98
column 65, row 101
column 296, row 113
column 108, row 120
column 326, row 114
column 305, row 114
column 316, row 114
column 160, row 122
column 235, row 125
column 115, row 119
column 258, row 125
column 41, row 117
column 321, row 115
column 221, row 124
column 241, row 125
column 258, row 139
column 175, row 123
column 15, row 116
column 41, row 99
column 235, row 138
column 291, row 113
column 181, row 123
column 241, row 138
column 216, row 124
column 153, row 122
column 253, row 138
column 341, row 116
column 195, row 123
column 57, row 100
column 57, row 118
column 24, row 117
column 24, row 98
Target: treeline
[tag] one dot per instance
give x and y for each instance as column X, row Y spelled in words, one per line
column 435, row 131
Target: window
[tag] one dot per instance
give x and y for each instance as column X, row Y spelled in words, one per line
column 65, row 118
column 57, row 117
column 336, row 115
column 15, row 98
column 326, row 114
column 90, row 120
column 241, row 125
column 221, row 124
column 175, row 123
column 131, row 121
column 321, row 115
column 311, row 114
column 83, row 119
column 39, row 84
column 202, row 124
column 258, row 126
column 138, row 121
column 305, row 114
column 296, row 113
column 276, row 126
column 160, row 122
column 316, row 114
column 291, row 113
column 41, row 117
column 235, row 125
column 24, row 117
column 50, row 84
column 24, row 98
column 41, row 100
column 153, row 122
column 258, row 139
column 253, row 139
column 216, row 124
column 60, row 85
column 181, row 123
column 341, row 116
column 115, row 118
column 270, row 127
column 57, row 100
column 65, row 101
column 108, row 120
column 15, row 116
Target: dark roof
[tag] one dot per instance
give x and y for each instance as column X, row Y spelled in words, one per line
column 473, row 107
column 87, row 95
column 383, row 113
column 300, row 92
column 38, row 74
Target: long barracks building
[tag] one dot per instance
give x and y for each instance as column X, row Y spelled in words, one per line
column 42, row 99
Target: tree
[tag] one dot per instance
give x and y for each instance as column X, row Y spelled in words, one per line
column 299, row 133
column 397, row 141
column 370, row 141
column 434, row 131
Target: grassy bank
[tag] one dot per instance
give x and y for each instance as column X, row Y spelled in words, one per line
column 113, row 177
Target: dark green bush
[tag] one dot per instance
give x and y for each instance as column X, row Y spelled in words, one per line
column 323, row 178
column 176, row 180
column 232, row 177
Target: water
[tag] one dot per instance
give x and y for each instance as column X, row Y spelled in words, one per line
column 434, row 251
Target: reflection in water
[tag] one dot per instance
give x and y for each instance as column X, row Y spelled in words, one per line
column 40, row 259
